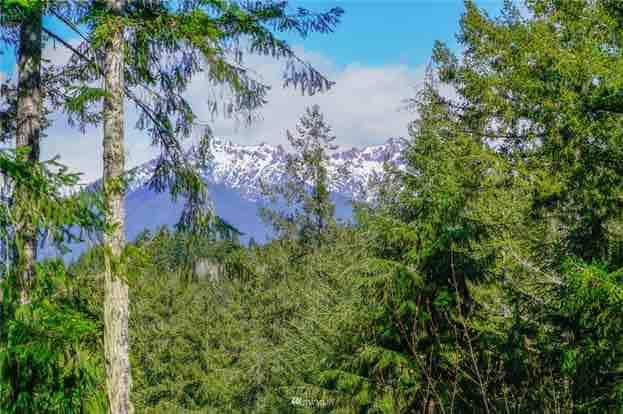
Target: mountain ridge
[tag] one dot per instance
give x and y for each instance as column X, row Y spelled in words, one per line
column 243, row 167
column 233, row 175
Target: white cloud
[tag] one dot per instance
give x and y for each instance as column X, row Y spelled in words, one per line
column 82, row 152
column 56, row 53
column 364, row 107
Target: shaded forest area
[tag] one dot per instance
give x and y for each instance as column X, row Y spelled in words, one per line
column 486, row 276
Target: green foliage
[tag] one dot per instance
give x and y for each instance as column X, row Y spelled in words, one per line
column 48, row 344
column 549, row 83
column 80, row 99
column 593, row 333
column 306, row 191
column 192, row 37
column 44, row 202
column 485, row 277
column 12, row 11
column 571, row 343
column 199, row 344
column 401, row 334
column 49, row 361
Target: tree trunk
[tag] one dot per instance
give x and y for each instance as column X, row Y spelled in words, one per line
column 116, row 300
column 28, row 132
column 430, row 406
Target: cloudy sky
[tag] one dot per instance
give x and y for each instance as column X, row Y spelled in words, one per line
column 376, row 57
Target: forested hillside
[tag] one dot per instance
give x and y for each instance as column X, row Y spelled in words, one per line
column 484, row 275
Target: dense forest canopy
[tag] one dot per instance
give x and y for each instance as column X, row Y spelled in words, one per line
column 484, row 276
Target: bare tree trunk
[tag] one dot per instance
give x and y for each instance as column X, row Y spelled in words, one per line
column 28, row 131
column 430, row 406
column 116, row 300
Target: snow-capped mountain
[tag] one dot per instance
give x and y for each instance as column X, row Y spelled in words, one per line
column 233, row 175
column 241, row 168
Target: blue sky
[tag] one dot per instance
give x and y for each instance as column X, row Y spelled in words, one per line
column 372, row 32
column 376, row 57
column 377, row 32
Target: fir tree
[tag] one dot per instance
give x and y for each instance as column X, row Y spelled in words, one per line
column 116, row 292
column 204, row 35
column 28, row 120
column 190, row 37
column 306, row 190
column 46, row 343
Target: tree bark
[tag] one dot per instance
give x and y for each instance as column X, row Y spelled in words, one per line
column 28, row 132
column 116, row 300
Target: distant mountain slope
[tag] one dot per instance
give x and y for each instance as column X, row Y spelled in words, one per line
column 233, row 177
column 241, row 168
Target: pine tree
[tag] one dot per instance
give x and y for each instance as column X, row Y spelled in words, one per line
column 24, row 115
column 306, row 190
column 46, row 342
column 26, row 20
column 116, row 293
column 203, row 34
column 28, row 121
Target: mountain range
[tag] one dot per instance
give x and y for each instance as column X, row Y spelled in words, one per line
column 233, row 175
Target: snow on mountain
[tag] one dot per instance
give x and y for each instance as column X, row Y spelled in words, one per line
column 233, row 176
column 241, row 168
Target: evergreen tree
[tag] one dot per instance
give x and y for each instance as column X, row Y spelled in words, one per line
column 490, row 274
column 28, row 118
column 203, row 34
column 542, row 84
column 116, row 293
column 191, row 37
column 46, row 344
column 306, row 190
column 27, row 104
